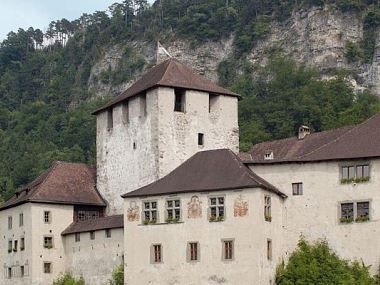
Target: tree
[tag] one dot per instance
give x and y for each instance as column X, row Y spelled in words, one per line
column 317, row 264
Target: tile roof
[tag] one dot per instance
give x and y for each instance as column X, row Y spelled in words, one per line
column 352, row 142
column 109, row 222
column 62, row 183
column 170, row 73
column 211, row 170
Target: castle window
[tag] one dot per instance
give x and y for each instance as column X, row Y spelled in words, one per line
column 22, row 271
column 297, row 189
column 77, row 237
column 22, row 243
column 268, row 208
column 108, row 233
column 15, row 246
column 9, row 272
column 200, row 139
column 110, row 119
column 48, row 242
column 355, row 173
column 21, row 219
column 92, row 235
column 47, row 217
column 179, row 101
column 212, row 102
column 125, row 112
column 228, row 249
column 193, row 251
column 156, row 254
column 10, row 242
column 143, row 105
column 173, row 210
column 88, row 215
column 47, row 267
column 9, row 222
column 150, row 212
column 216, row 209
column 269, row 249
column 355, row 212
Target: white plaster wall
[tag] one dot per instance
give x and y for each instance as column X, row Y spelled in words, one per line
column 61, row 218
column 94, row 260
column 250, row 265
column 315, row 214
column 19, row 258
column 164, row 139
column 34, row 229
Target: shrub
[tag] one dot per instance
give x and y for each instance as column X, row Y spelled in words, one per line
column 118, row 276
column 318, row 264
column 68, row 279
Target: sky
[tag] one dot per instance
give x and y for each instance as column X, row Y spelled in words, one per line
column 16, row 14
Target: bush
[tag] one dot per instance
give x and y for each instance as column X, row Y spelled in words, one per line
column 318, row 264
column 118, row 276
column 68, row 279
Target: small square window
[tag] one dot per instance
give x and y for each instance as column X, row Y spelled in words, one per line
column 47, row 217
column 48, row 242
column 200, row 139
column 77, row 237
column 108, row 233
column 228, row 249
column 47, row 267
column 297, row 189
column 92, row 235
column 156, row 253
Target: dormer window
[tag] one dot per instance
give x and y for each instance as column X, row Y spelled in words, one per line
column 179, row 101
column 268, row 155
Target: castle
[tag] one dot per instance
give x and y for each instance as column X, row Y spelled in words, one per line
column 174, row 200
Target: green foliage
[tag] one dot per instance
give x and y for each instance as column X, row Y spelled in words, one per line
column 280, row 97
column 117, row 276
column 317, row 264
column 68, row 279
column 353, row 52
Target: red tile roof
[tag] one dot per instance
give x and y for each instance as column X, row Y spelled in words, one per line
column 170, row 73
column 353, row 142
column 109, row 222
column 211, row 170
column 62, row 183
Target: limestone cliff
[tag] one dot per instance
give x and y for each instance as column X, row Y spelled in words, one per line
column 315, row 36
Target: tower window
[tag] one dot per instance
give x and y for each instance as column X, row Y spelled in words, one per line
column 212, row 102
column 200, row 139
column 125, row 112
column 110, row 119
column 143, row 105
column 269, row 249
column 179, row 101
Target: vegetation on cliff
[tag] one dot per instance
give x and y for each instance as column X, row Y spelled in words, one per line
column 45, row 102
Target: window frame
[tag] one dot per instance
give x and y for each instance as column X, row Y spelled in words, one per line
column 347, row 178
column 269, row 249
column 22, row 271
column 189, row 251
column 21, row 220
column 92, row 235
column 45, row 244
column 296, row 189
column 47, row 217
column 213, row 100
column 355, row 218
column 231, row 254
column 201, row 139
column 218, row 217
column 268, row 208
column 22, row 243
column 153, row 255
column 10, row 222
column 110, row 119
column 179, row 100
column 77, row 237
column 107, row 233
column 150, row 210
column 50, row 267
column 173, row 217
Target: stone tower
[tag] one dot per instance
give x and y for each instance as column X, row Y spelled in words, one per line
column 159, row 122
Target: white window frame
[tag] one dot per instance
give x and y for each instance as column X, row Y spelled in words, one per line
column 220, row 208
column 297, row 189
column 150, row 210
column 232, row 249
column 171, row 211
column 190, row 253
column 153, row 259
column 47, row 217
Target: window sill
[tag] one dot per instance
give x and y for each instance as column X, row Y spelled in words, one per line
column 352, row 221
column 355, row 180
column 216, row 221
column 158, row 224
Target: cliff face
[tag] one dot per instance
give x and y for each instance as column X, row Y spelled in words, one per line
column 316, row 37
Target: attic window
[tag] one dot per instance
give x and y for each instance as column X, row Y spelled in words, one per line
column 179, row 101
column 268, row 155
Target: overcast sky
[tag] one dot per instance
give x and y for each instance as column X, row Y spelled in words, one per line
column 16, row 14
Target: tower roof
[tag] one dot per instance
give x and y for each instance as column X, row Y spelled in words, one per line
column 170, row 73
column 212, row 170
column 62, row 183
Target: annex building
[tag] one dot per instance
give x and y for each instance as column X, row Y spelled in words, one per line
column 174, row 200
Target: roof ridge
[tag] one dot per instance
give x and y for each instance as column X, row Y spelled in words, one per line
column 349, row 130
column 166, row 70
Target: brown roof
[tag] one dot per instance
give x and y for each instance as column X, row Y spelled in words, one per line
column 62, row 183
column 353, row 142
column 170, row 73
column 206, row 171
column 110, row 222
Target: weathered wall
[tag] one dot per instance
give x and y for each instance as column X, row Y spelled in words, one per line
column 163, row 139
column 315, row 214
column 250, row 234
column 94, row 260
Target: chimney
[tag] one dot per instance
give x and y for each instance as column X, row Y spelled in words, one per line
column 303, row 131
